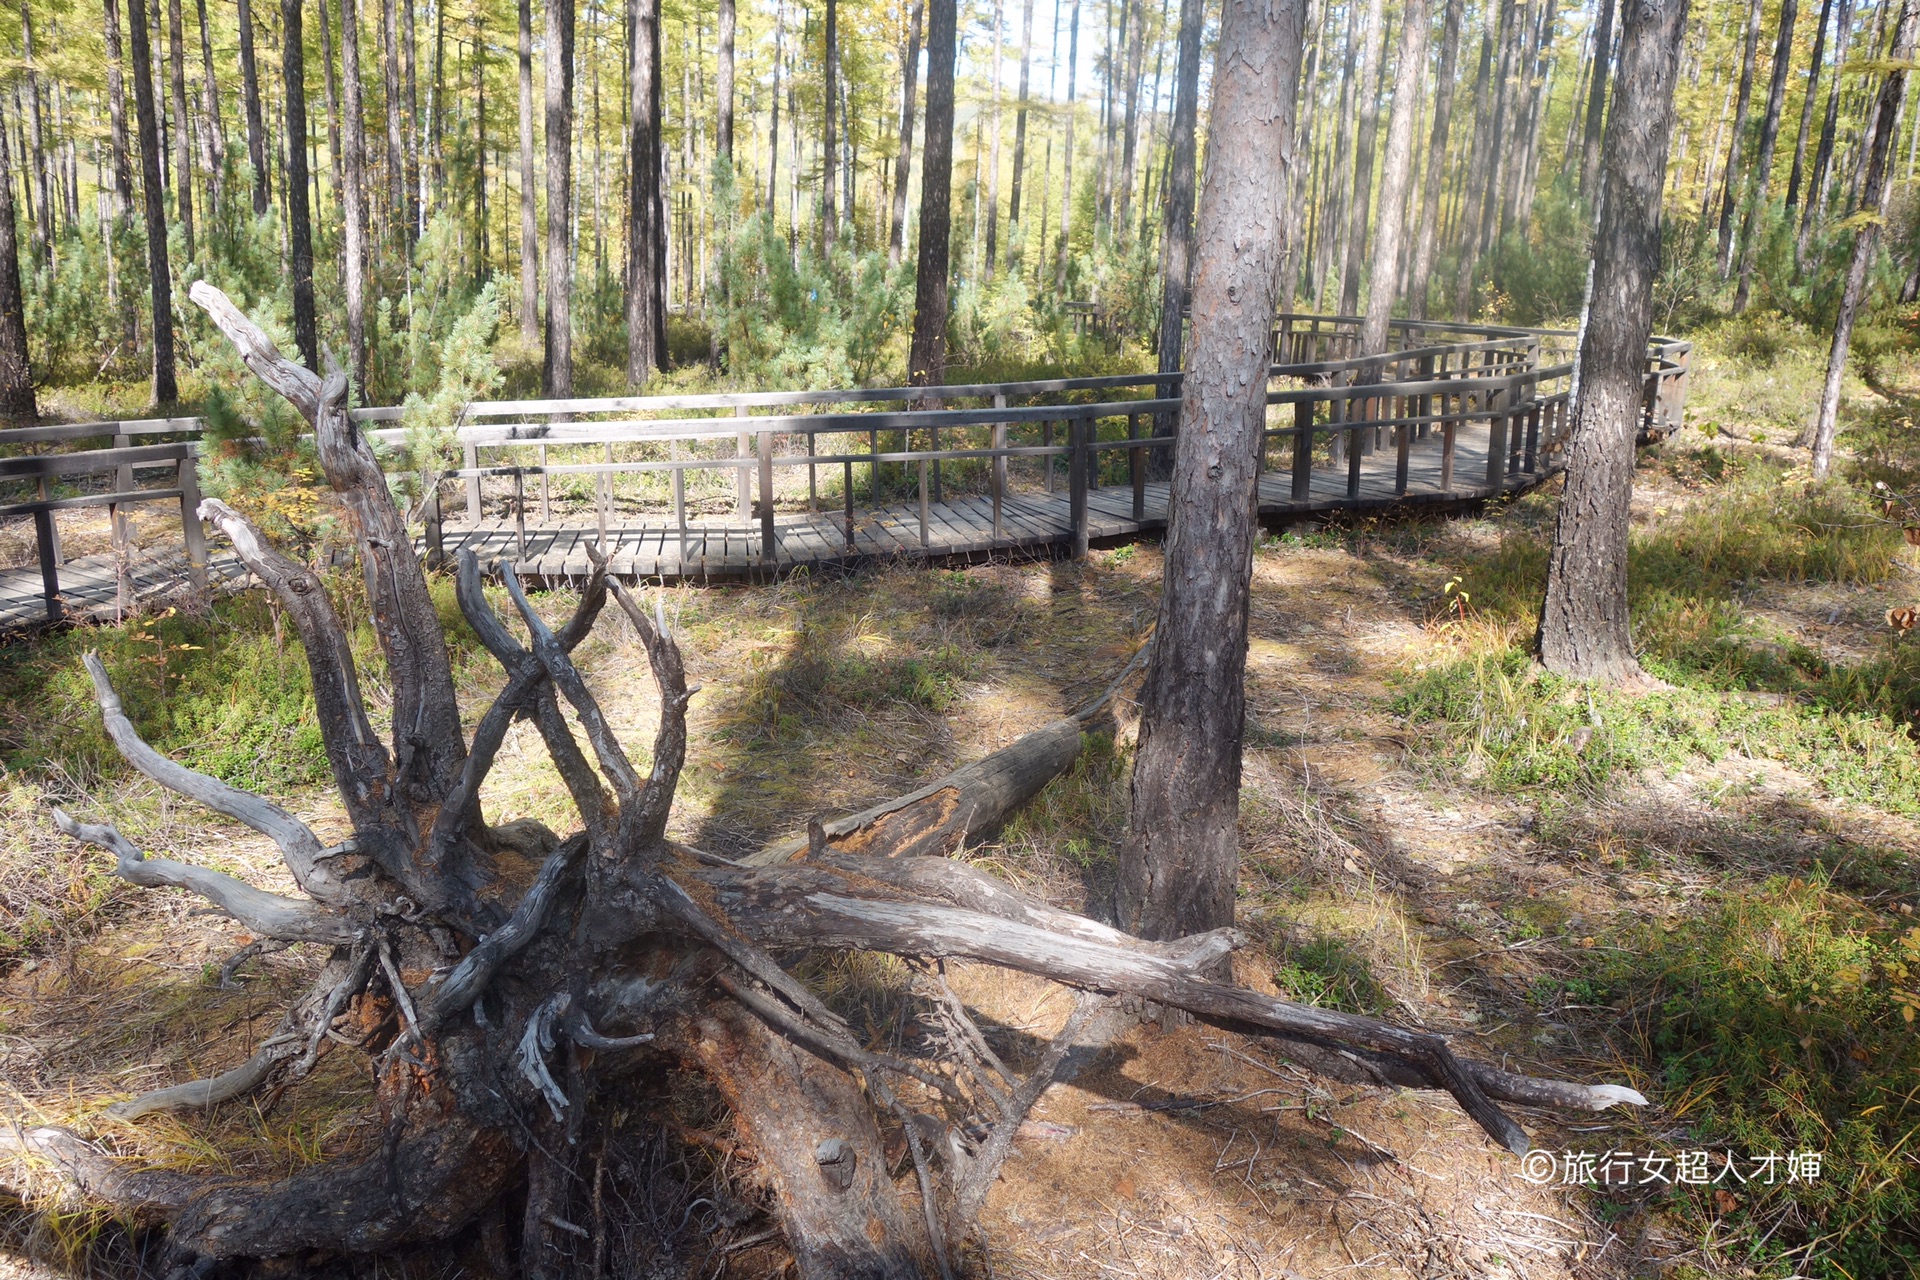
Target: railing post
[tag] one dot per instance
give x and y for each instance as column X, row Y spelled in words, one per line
column 1403, row 448
column 923, row 503
column 769, row 544
column 1356, row 455
column 546, row 499
column 999, row 483
column 1136, row 469
column 122, row 483
column 1046, row 442
column 435, row 533
column 1302, row 450
column 846, row 491
column 1496, row 438
column 189, row 474
column 680, row 510
column 1077, row 484
column 743, row 500
column 602, row 493
column 520, row 512
column 1449, row 428
column 470, row 461
column 49, row 565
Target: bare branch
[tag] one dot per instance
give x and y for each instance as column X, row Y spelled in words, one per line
column 646, row 820
column 567, row 678
column 536, row 1043
column 296, row 383
column 264, row 913
column 299, row 847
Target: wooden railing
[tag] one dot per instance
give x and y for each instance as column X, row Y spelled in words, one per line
column 748, row 456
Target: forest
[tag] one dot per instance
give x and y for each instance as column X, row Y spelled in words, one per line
column 896, row 638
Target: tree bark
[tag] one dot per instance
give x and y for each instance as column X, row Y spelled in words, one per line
column 1823, row 153
column 17, row 401
column 829, row 143
column 903, row 167
column 160, row 280
column 1367, row 111
column 37, row 158
column 256, row 129
column 213, row 146
column 723, row 84
column 1584, row 628
column 336, row 150
column 1756, row 205
column 529, row 223
column 1176, row 235
column 1419, row 273
column 1180, row 861
column 353, row 194
column 1734, row 175
column 993, row 157
column 1597, row 102
column 1066, row 156
column 1395, row 179
column 1017, row 241
column 927, row 359
column 1806, row 110
column 182, row 129
column 306, row 332
column 646, row 213
column 1883, row 124
column 557, row 372
column 1466, row 230
column 396, row 167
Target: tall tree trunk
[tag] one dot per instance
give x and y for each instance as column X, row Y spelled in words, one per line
column 557, row 373
column 437, row 108
column 1129, row 137
column 829, row 145
column 1597, row 102
column 646, row 214
column 1066, row 156
column 482, row 258
column 1734, row 174
column 903, row 167
column 213, row 145
column 1016, row 241
column 1395, row 178
column 927, row 358
column 1584, row 630
column 529, row 222
column 1466, row 233
column 1372, row 53
column 182, row 129
column 153, row 188
column 353, row 193
column 409, row 46
column 1823, row 153
column 1180, row 861
column 1882, row 126
column 396, row 166
column 336, row 150
column 36, row 157
column 1422, row 267
column 122, row 162
column 16, row 372
column 993, row 155
column 256, row 129
column 306, row 333
column 1806, row 110
column 723, row 84
column 1176, row 235
column 1763, row 163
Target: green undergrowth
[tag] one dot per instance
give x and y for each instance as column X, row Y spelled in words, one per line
column 1782, row 1020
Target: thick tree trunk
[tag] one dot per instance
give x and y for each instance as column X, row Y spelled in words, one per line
column 1179, row 864
column 557, row 372
column 1395, row 179
column 903, row 167
column 1734, row 175
column 529, row 223
column 1584, row 629
column 17, row 401
column 160, row 280
column 353, row 194
column 1176, row 236
column 1418, row 282
column 1882, row 125
column 646, row 213
column 1367, row 111
column 1752, row 220
column 1597, row 102
column 182, row 128
column 256, row 128
column 306, row 333
column 927, row 359
column 723, row 84
column 1807, row 105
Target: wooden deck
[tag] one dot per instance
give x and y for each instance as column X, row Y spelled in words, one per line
column 1032, row 522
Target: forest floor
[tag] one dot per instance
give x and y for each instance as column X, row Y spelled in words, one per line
column 1430, row 832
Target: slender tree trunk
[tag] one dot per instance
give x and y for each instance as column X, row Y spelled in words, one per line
column 1176, row 235
column 829, row 145
column 482, row 258
column 1756, row 209
column 1017, row 242
column 993, row 156
column 36, row 156
column 646, row 215
column 1882, row 125
column 903, row 167
column 353, row 193
column 1395, row 178
column 557, row 373
column 17, row 401
column 1806, row 110
column 256, row 130
column 213, row 145
column 1734, row 174
column 396, row 166
column 165, row 389
column 336, row 150
column 1066, row 156
column 1823, row 153
column 1597, row 102
column 1372, row 53
column 122, row 166
column 437, row 109
column 927, row 358
column 1584, row 630
column 1421, row 270
column 723, row 83
column 1467, row 222
column 182, row 130
column 529, row 222
column 410, row 47
column 1180, row 861
column 306, row 334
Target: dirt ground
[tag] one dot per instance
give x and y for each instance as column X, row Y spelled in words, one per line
column 1181, row 1153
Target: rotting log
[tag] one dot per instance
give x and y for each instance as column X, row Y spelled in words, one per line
column 561, row 971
